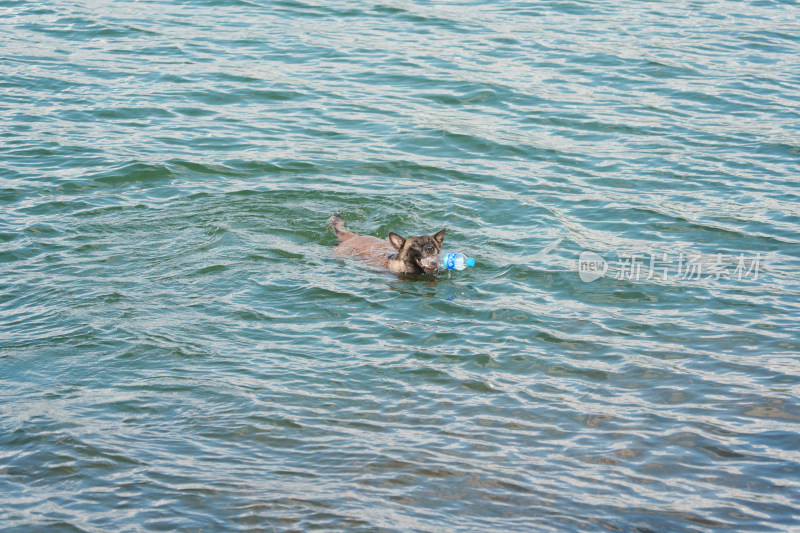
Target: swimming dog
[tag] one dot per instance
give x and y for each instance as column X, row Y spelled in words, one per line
column 415, row 255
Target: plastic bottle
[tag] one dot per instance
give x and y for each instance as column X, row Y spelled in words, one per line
column 456, row 261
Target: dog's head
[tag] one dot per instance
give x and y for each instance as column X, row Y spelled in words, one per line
column 418, row 253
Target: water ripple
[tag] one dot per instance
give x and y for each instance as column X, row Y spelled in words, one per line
column 181, row 350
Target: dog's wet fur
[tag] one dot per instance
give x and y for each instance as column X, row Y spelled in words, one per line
column 396, row 254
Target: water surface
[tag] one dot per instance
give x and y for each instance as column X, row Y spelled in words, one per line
column 181, row 351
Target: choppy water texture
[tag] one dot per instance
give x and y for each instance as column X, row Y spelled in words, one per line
column 181, row 351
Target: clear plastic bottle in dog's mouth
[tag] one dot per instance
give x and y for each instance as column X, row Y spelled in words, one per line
column 448, row 261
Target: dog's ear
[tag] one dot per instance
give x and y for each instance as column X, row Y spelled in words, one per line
column 396, row 240
column 439, row 237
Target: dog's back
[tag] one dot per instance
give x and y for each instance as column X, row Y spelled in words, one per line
column 373, row 250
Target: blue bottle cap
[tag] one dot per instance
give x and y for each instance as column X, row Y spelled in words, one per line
column 470, row 262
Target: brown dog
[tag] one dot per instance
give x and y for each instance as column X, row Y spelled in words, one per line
column 415, row 255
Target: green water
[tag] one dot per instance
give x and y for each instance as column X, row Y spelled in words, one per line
column 180, row 350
